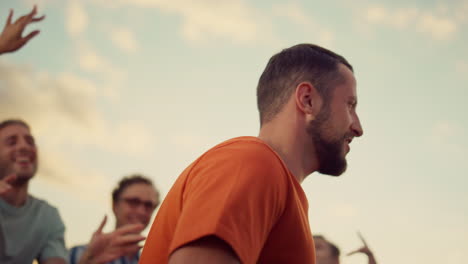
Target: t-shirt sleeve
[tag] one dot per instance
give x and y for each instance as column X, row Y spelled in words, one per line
column 55, row 245
column 236, row 195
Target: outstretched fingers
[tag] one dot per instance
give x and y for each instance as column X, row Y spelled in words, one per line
column 354, row 252
column 28, row 37
column 10, row 17
column 37, row 19
column 101, row 226
column 362, row 238
column 129, row 240
column 130, row 228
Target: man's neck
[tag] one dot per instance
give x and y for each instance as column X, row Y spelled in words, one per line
column 17, row 196
column 291, row 145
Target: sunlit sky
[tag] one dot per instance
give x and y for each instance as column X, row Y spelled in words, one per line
column 122, row 86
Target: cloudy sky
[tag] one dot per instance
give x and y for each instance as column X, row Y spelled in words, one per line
column 113, row 87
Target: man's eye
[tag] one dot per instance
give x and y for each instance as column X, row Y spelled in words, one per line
column 11, row 142
column 30, row 141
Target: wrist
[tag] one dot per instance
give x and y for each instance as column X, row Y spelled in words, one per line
column 87, row 258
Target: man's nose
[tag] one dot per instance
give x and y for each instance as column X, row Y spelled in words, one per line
column 23, row 144
column 356, row 127
column 141, row 209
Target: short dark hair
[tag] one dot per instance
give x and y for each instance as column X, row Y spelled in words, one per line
column 9, row 122
column 335, row 251
column 286, row 69
column 127, row 181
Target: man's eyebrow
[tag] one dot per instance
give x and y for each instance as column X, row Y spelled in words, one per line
column 7, row 138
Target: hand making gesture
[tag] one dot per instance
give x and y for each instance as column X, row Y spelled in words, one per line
column 5, row 183
column 11, row 38
column 364, row 250
column 105, row 247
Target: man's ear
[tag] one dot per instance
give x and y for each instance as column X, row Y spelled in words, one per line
column 308, row 100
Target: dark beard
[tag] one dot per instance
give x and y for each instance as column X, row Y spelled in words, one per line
column 329, row 152
column 20, row 180
column 4, row 170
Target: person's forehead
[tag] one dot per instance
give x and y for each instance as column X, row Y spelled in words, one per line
column 139, row 190
column 14, row 129
column 347, row 86
column 320, row 241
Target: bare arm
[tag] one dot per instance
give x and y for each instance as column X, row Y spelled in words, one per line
column 11, row 38
column 207, row 250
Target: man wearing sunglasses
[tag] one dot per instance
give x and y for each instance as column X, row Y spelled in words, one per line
column 133, row 202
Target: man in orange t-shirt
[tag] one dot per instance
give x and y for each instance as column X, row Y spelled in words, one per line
column 241, row 201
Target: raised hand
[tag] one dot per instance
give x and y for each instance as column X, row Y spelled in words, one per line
column 11, row 38
column 5, row 183
column 105, row 247
column 364, row 250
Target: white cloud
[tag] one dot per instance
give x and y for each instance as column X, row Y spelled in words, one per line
column 376, row 14
column 404, row 17
column 461, row 12
column 63, row 111
column 436, row 24
column 124, row 39
column 76, row 19
column 438, row 27
column 90, row 61
column 295, row 13
column 206, row 19
column 25, row 91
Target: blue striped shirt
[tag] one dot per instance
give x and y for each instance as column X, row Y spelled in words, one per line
column 76, row 253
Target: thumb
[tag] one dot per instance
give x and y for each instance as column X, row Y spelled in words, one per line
column 353, row 252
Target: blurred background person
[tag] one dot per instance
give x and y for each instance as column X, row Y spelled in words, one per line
column 30, row 228
column 328, row 253
column 133, row 202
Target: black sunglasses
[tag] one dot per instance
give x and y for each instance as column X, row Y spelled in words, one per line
column 135, row 202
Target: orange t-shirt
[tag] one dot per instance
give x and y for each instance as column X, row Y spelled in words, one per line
column 241, row 192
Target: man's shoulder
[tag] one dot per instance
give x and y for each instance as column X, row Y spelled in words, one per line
column 242, row 157
column 41, row 204
column 244, row 141
column 44, row 213
column 249, row 148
